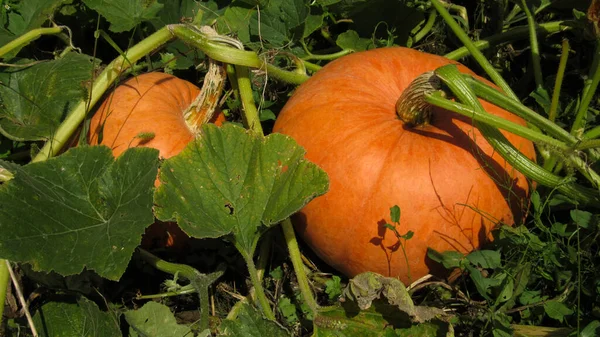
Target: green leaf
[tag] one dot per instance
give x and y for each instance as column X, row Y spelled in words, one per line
column 235, row 21
column 557, row 310
column 84, row 318
column 232, row 181
column 482, row 284
column 124, row 15
column 81, row 209
column 333, row 287
column 277, row 22
column 350, row 40
column 582, row 218
column 25, row 17
column 155, row 320
column 489, row 259
column 385, row 321
column 591, row 330
column 288, row 310
column 530, row 297
column 34, row 101
column 395, row 213
column 449, row 259
column 270, row 27
column 250, row 323
column 313, row 22
column 542, row 98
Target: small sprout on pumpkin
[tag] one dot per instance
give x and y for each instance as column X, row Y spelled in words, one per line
column 145, row 137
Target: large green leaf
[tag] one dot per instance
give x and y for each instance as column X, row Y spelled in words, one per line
column 123, row 15
column 34, row 101
column 83, row 318
column 155, row 320
column 81, row 209
column 232, row 181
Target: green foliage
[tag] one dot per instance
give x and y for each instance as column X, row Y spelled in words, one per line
column 84, row 210
column 124, row 15
column 250, row 323
column 154, row 320
column 240, row 185
column 80, row 210
column 333, row 287
column 36, row 99
column 19, row 18
column 83, row 318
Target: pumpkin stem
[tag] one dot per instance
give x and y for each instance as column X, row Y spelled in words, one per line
column 202, row 110
column 411, row 107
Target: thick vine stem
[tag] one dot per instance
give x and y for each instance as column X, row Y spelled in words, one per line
column 28, row 37
column 460, row 88
column 110, row 74
column 206, row 103
column 296, row 257
column 258, row 288
column 4, row 278
column 512, row 34
column 219, row 48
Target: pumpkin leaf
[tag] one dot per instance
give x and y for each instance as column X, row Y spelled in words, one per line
column 34, row 101
column 155, row 320
column 84, row 318
column 449, row 259
column 231, row 181
column 368, row 287
column 582, row 218
column 489, row 259
column 350, row 40
column 80, row 210
column 250, row 323
column 557, row 310
column 124, row 15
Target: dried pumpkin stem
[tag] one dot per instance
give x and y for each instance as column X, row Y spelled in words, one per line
column 202, row 110
column 411, row 107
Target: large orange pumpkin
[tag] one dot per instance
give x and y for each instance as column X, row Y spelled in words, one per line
column 148, row 110
column 450, row 185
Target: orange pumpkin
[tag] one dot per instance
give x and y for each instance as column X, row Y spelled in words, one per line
column 148, row 110
column 451, row 187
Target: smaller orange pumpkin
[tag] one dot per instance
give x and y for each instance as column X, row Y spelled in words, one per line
column 149, row 110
